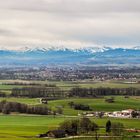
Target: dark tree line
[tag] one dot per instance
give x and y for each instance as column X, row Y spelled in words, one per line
column 77, row 106
column 56, row 92
column 86, row 126
column 72, row 128
column 96, row 92
column 78, row 126
column 9, row 107
column 35, row 92
column 29, row 84
column 2, row 94
column 110, row 100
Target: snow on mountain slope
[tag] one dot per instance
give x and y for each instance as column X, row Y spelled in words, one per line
column 55, row 55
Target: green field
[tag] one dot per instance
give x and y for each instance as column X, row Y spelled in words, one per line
column 69, row 84
column 9, row 87
column 96, row 104
column 87, row 84
column 30, row 101
column 27, row 127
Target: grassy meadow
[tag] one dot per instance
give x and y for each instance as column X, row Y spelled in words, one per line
column 70, row 84
column 26, row 127
column 99, row 104
column 23, row 127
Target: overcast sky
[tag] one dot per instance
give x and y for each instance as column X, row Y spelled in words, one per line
column 70, row 23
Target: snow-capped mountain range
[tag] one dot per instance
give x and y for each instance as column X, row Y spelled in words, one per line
column 63, row 55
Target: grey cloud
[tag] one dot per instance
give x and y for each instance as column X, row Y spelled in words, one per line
column 41, row 22
column 5, row 32
column 73, row 6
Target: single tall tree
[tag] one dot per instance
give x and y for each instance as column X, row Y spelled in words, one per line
column 108, row 126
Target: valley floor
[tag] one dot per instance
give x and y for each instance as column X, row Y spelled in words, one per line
column 17, row 127
column 27, row 127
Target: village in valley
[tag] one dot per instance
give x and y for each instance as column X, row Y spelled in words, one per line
column 128, row 113
column 87, row 102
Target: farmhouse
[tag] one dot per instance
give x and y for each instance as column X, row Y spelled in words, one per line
column 116, row 114
column 133, row 130
column 43, row 100
column 127, row 112
column 120, row 114
column 93, row 114
column 56, row 134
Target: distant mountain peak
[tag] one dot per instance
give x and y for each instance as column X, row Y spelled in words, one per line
column 64, row 55
column 90, row 49
column 52, row 48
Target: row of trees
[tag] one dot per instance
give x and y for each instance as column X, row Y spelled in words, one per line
column 95, row 92
column 86, row 126
column 74, row 127
column 35, row 92
column 29, row 84
column 8, row 107
column 2, row 94
column 77, row 106
column 56, row 92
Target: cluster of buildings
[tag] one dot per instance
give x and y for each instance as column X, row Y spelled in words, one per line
column 121, row 114
column 71, row 73
column 128, row 113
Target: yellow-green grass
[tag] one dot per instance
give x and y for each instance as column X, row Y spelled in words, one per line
column 8, row 92
column 94, row 84
column 111, row 85
column 23, row 127
column 70, row 84
column 9, row 87
column 91, row 138
column 30, row 101
column 27, row 127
